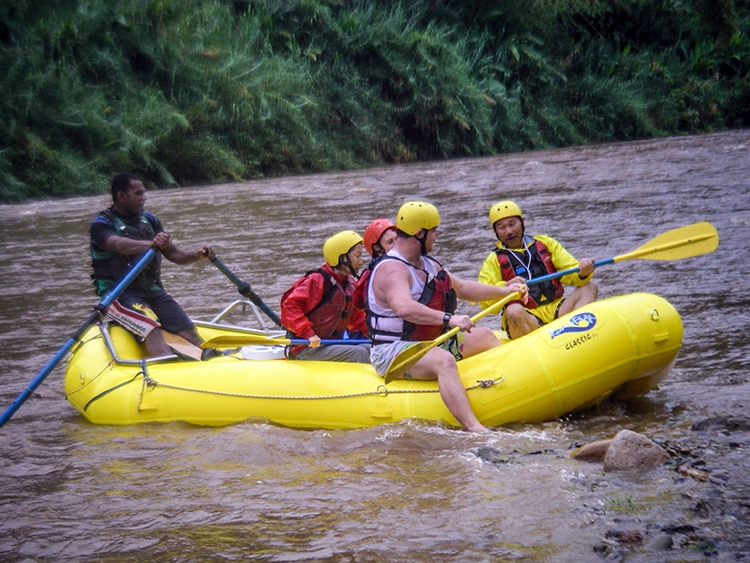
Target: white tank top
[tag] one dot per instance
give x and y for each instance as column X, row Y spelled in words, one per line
column 385, row 319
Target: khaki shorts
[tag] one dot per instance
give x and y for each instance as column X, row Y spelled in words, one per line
column 382, row 355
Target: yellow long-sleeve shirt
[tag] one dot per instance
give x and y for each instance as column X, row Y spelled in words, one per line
column 561, row 260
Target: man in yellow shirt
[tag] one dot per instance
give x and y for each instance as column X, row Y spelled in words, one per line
column 519, row 255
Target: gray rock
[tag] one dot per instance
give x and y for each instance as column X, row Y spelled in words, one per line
column 663, row 542
column 723, row 423
column 630, row 450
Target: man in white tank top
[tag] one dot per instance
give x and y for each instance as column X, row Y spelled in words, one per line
column 395, row 287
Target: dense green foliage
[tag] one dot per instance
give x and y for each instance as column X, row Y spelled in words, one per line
column 200, row 91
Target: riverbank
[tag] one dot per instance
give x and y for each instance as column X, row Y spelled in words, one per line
column 215, row 91
column 709, row 494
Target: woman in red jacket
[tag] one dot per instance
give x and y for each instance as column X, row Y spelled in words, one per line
column 320, row 305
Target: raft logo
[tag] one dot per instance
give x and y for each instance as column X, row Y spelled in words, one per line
column 581, row 322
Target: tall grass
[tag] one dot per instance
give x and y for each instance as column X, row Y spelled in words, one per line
column 211, row 90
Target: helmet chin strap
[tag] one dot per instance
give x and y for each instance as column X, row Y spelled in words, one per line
column 344, row 260
column 422, row 240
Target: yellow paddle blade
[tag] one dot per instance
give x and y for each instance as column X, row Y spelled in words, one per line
column 404, row 361
column 235, row 340
column 181, row 346
column 684, row 242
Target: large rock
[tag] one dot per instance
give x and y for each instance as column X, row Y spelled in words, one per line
column 630, row 450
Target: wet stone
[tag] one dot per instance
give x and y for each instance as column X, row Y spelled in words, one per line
column 491, row 455
column 595, row 451
column 720, row 477
column 662, row 542
column 679, row 529
column 726, row 423
column 708, row 547
column 630, row 450
column 625, row 536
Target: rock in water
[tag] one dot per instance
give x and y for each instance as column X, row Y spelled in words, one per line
column 630, row 450
column 595, row 451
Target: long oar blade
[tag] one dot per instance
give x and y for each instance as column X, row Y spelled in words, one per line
column 93, row 317
column 234, row 340
column 684, row 242
column 182, row 347
column 405, row 360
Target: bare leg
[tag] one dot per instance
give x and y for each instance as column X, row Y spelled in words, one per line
column 441, row 365
column 155, row 345
column 581, row 296
column 191, row 336
column 478, row 340
column 520, row 321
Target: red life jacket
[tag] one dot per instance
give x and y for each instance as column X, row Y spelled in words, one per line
column 541, row 265
column 438, row 294
column 360, row 290
column 330, row 316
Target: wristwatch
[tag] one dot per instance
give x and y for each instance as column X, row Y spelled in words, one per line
column 447, row 319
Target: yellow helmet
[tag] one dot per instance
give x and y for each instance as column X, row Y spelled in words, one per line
column 339, row 245
column 415, row 215
column 502, row 210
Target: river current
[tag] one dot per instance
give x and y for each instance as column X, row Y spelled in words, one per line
column 412, row 491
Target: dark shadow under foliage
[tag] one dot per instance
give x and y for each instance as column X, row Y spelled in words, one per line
column 204, row 91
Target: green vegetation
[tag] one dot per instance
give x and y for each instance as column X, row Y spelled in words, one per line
column 625, row 504
column 202, row 91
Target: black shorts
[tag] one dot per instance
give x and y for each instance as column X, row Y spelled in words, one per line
column 158, row 304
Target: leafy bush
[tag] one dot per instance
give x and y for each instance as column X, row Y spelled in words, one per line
column 211, row 90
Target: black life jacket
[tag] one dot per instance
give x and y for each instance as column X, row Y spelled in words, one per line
column 541, row 265
column 111, row 267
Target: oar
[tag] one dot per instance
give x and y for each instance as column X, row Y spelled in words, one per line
column 181, row 346
column 99, row 310
column 683, row 242
column 406, row 359
column 246, row 291
column 233, row 340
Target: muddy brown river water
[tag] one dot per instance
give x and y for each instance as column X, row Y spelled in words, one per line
column 406, row 492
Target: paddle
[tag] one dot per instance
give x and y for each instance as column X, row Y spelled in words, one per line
column 181, row 346
column 233, row 340
column 404, row 361
column 246, row 291
column 683, row 242
column 99, row 310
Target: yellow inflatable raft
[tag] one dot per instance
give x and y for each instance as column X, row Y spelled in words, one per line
column 620, row 347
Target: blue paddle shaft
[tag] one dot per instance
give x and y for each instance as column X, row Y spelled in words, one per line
column 246, row 291
column 325, row 342
column 98, row 310
column 566, row 272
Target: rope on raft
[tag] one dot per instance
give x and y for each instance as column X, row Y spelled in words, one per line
column 381, row 390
